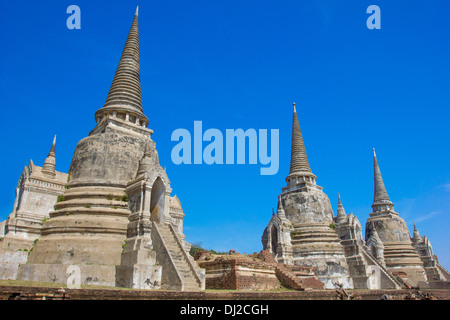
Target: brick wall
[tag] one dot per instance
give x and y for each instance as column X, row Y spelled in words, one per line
column 243, row 273
column 239, row 274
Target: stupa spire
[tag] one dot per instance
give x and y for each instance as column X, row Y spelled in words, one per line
column 340, row 210
column 49, row 165
column 380, row 197
column 299, row 160
column 124, row 96
column 146, row 161
column 416, row 234
column 280, row 209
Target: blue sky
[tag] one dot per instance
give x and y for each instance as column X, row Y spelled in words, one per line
column 236, row 65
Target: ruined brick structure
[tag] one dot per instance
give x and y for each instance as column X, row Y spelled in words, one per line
column 255, row 272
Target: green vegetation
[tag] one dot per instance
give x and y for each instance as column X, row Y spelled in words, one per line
column 32, row 247
column 123, row 198
column 198, row 247
column 217, row 252
column 195, row 247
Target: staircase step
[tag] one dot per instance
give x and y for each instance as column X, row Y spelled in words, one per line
column 179, row 259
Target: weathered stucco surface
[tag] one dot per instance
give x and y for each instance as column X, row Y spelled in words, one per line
column 307, row 205
column 110, row 158
column 390, row 228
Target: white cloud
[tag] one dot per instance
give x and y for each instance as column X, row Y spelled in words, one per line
column 427, row 216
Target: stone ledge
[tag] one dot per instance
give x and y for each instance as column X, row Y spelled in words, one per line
column 34, row 293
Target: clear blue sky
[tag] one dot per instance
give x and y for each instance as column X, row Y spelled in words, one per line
column 236, row 65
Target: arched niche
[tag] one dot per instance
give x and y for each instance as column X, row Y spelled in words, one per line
column 274, row 239
column 373, row 251
column 157, row 201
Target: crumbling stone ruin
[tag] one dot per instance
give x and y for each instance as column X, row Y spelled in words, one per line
column 115, row 218
column 304, row 231
column 259, row 271
column 36, row 193
column 436, row 274
column 301, row 232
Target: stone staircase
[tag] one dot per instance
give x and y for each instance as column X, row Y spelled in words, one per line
column 292, row 276
column 398, row 283
column 187, row 272
column 443, row 272
column 297, row 277
column 288, row 278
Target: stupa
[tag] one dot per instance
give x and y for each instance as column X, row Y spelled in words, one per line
column 114, row 220
column 302, row 232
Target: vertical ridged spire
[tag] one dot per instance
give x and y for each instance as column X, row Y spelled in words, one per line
column 49, row 165
column 299, row 160
column 380, row 196
column 125, row 92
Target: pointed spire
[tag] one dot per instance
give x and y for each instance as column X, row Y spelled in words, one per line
column 280, row 209
column 146, row 160
column 52, row 149
column 340, row 210
column 125, row 92
column 416, row 235
column 299, row 160
column 49, row 164
column 380, row 197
